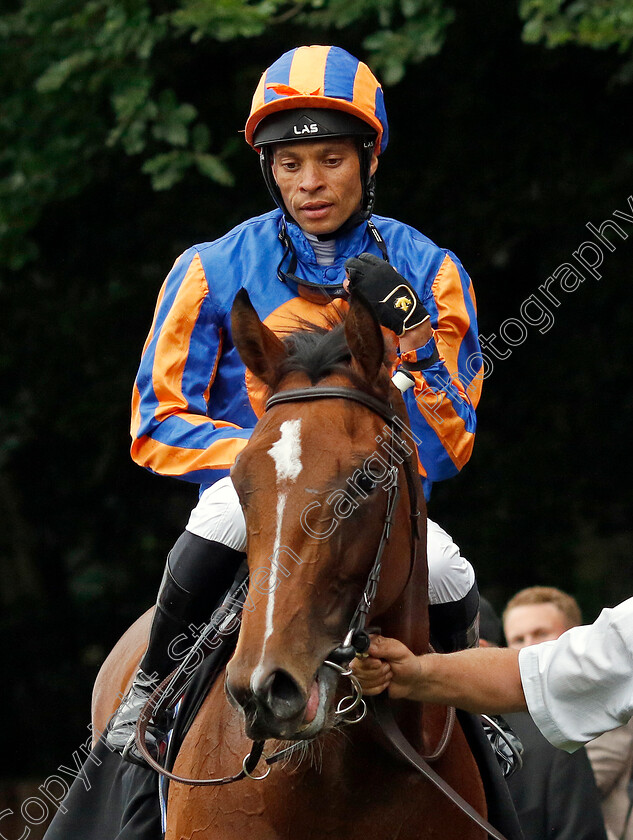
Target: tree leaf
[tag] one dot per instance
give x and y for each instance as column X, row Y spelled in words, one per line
column 214, row 168
column 167, row 169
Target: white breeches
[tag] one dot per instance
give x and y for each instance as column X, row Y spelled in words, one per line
column 218, row 516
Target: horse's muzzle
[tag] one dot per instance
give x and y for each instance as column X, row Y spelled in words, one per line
column 276, row 706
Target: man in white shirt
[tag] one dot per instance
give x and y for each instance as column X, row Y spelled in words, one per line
column 539, row 614
column 575, row 687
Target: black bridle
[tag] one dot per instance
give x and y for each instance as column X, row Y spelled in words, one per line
column 356, row 640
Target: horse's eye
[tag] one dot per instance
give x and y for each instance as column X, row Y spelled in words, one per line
column 365, row 483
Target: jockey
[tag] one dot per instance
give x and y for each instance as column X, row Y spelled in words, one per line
column 319, row 124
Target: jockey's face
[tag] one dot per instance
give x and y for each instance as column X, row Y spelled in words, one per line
column 320, row 181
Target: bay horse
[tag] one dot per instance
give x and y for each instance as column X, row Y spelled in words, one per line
column 315, row 498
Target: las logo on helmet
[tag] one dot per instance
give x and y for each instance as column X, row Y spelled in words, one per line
column 312, row 128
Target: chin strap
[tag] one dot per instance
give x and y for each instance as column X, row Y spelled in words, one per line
column 328, row 291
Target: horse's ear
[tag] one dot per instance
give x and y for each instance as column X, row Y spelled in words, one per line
column 259, row 348
column 364, row 337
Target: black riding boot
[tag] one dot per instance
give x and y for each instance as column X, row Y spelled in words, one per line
column 197, row 574
column 455, row 625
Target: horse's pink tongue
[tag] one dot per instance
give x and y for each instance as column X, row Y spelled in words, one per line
column 313, row 703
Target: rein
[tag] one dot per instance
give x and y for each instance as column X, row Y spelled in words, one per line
column 384, row 716
column 356, row 641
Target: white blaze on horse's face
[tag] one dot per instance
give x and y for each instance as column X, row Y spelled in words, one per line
column 286, row 452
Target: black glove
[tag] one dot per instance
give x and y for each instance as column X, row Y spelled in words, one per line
column 396, row 304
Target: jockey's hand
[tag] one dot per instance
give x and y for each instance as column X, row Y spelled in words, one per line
column 390, row 665
column 396, row 304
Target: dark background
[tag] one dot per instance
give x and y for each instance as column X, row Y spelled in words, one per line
column 501, row 151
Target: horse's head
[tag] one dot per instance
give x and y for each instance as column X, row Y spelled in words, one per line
column 313, row 482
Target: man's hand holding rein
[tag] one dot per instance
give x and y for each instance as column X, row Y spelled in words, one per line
column 479, row 680
column 389, row 665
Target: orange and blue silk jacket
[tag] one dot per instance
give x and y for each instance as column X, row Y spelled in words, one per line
column 195, row 405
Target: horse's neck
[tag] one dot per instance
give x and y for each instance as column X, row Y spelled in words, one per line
column 407, row 619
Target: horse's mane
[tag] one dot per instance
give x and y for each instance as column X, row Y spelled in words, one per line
column 319, row 351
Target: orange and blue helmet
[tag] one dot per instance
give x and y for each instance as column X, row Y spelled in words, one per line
column 312, row 93
column 319, row 77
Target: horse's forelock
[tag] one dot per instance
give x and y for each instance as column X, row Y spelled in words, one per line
column 316, row 352
column 319, row 351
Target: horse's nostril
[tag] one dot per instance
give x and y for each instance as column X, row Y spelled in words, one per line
column 283, row 695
